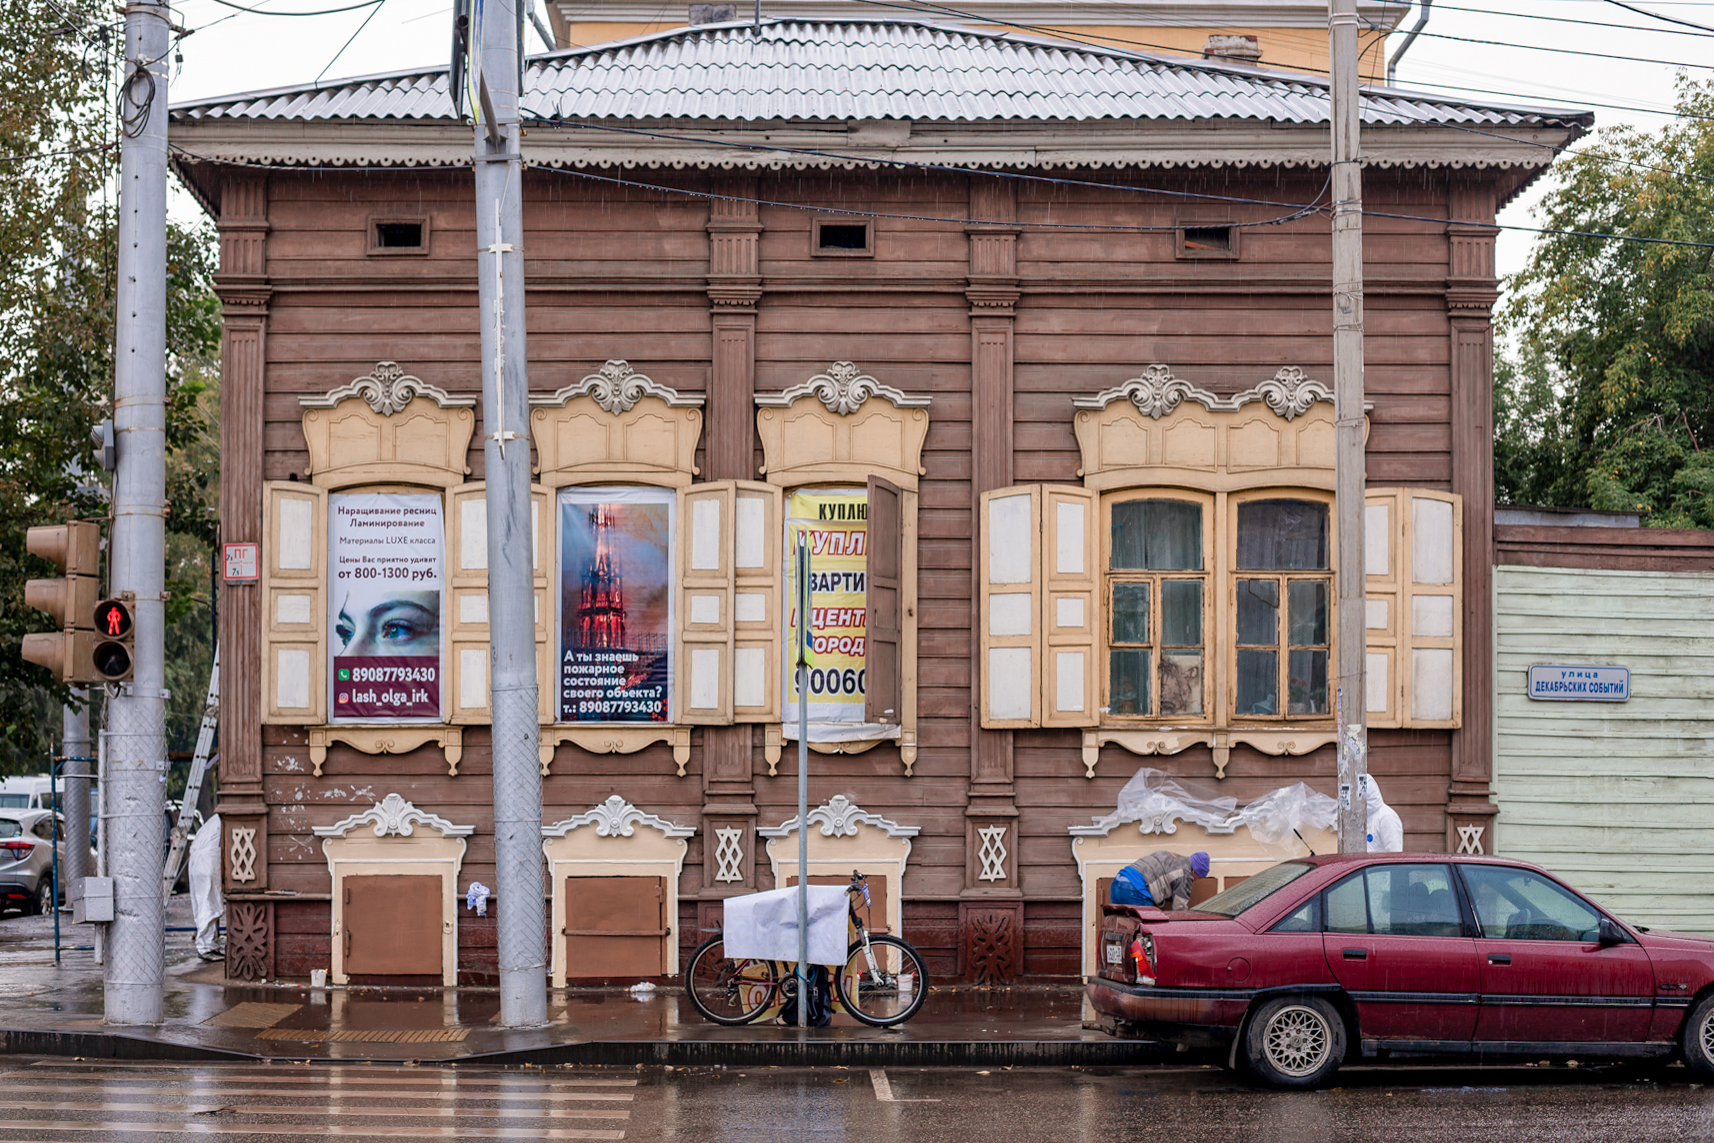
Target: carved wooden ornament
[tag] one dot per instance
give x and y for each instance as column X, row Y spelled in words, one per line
column 388, row 427
column 616, row 425
column 839, row 423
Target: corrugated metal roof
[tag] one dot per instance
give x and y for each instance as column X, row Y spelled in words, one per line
column 864, row 69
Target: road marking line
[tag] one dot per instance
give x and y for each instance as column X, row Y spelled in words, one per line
column 884, row 1088
column 8, row 1104
column 212, row 1091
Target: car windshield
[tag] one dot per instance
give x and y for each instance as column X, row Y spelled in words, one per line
column 10, row 827
column 1253, row 890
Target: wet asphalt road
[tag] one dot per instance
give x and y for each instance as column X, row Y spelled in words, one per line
column 81, row 1100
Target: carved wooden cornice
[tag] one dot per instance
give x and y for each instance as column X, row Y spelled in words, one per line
column 839, row 816
column 388, row 389
column 843, row 389
column 617, row 388
column 1290, row 393
column 394, row 816
column 616, row 817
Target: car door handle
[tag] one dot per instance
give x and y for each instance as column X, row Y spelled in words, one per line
column 1499, row 958
column 1356, row 954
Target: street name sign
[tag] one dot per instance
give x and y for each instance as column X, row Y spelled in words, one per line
column 1580, row 684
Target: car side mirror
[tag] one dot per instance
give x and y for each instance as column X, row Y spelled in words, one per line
column 1610, row 934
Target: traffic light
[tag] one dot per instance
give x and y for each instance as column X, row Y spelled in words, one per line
column 114, row 640
column 76, row 550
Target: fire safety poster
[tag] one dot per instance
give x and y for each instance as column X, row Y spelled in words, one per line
column 385, row 577
column 837, row 523
column 615, row 604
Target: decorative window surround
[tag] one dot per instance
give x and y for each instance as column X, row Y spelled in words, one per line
column 605, row 841
column 1104, row 847
column 388, row 427
column 616, row 425
column 1145, row 741
column 388, row 739
column 615, row 739
column 385, row 840
column 848, row 838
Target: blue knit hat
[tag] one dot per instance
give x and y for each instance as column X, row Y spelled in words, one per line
column 1199, row 862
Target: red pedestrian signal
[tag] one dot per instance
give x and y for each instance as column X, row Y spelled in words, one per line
column 113, row 656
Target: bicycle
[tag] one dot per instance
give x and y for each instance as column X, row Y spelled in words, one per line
column 882, row 982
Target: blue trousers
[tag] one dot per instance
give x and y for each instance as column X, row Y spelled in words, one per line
column 1128, row 888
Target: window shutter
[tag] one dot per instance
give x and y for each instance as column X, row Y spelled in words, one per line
column 467, row 592
column 883, row 701
column 294, row 602
column 1382, row 532
column 704, row 671
column 1070, row 670
column 1009, row 579
column 1431, row 611
column 757, row 560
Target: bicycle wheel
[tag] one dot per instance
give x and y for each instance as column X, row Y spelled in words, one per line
column 883, row 985
column 729, row 991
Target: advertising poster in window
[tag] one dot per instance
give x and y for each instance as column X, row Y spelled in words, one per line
column 836, row 521
column 386, row 564
column 615, row 604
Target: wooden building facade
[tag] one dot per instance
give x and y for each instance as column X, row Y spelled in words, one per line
column 1063, row 334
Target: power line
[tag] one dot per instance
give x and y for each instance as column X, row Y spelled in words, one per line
column 1560, row 51
column 323, row 12
column 1439, row 7
column 1658, row 16
column 372, row 14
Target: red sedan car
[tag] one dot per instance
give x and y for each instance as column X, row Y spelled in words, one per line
column 1312, row 962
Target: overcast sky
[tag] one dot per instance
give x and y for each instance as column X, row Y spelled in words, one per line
column 234, row 51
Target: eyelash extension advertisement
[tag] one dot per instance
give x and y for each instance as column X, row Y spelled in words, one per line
column 386, row 579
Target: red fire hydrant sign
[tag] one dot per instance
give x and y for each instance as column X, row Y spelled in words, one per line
column 243, row 562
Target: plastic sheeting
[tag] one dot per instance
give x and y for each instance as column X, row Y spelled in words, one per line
column 764, row 925
column 1153, row 797
column 1274, row 819
column 206, row 904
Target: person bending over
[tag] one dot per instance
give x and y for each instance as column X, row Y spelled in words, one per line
column 1162, row 879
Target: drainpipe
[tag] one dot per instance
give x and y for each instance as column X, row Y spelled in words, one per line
column 1421, row 22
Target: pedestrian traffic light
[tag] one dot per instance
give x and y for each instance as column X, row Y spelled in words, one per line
column 75, row 549
column 113, row 654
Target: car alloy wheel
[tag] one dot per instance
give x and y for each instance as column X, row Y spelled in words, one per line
column 44, row 898
column 1707, row 1032
column 1297, row 1040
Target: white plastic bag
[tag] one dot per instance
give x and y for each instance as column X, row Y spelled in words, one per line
column 764, row 925
column 1277, row 818
column 206, row 904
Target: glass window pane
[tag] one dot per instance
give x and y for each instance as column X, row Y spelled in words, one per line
column 1181, row 613
column 1181, row 683
column 1252, row 891
column 1347, row 910
column 1519, row 905
column 1414, row 901
column 1130, row 613
column 1307, row 612
column 1128, row 682
column 1308, row 682
column 1259, row 612
column 1159, row 535
column 1258, row 682
column 1302, row 920
column 1290, row 535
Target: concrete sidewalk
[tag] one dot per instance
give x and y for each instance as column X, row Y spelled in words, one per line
column 49, row 1010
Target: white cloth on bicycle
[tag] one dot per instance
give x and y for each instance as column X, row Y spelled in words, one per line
column 764, row 925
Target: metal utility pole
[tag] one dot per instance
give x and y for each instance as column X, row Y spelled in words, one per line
column 136, row 716
column 1350, row 698
column 496, row 73
column 805, row 641
column 75, row 775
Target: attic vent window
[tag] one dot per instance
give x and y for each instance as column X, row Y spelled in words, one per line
column 1208, row 240
column 847, row 239
column 398, row 236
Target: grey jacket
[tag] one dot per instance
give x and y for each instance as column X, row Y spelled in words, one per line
column 1168, row 876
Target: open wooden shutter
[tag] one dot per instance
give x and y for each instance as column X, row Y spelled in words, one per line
column 1070, row 669
column 882, row 701
column 1382, row 529
column 1431, row 609
column 467, row 601
column 294, row 603
column 757, row 594
column 1009, row 581
column 704, row 671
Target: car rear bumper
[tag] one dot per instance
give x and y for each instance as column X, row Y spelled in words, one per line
column 1187, row 1015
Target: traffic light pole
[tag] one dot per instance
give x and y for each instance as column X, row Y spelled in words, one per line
column 74, row 746
column 136, row 716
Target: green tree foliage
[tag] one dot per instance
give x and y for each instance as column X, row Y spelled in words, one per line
column 58, row 243
column 1608, row 402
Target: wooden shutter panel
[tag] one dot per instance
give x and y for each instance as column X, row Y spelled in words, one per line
column 1382, row 532
column 1070, row 668
column 704, row 670
column 1009, row 582
column 467, row 601
column 884, row 566
column 1431, row 609
column 757, row 566
column 294, row 603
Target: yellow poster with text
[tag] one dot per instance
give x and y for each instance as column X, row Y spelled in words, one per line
column 836, row 522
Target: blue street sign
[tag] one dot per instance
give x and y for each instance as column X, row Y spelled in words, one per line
column 1580, row 684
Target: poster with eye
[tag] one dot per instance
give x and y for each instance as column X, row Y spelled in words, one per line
column 615, row 604
column 386, row 563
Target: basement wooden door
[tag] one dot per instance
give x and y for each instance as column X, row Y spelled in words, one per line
column 392, row 925
column 616, row 927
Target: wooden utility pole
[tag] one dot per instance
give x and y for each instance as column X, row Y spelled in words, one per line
column 1349, row 702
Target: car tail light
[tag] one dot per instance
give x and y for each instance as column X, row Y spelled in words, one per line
column 1143, row 957
column 17, row 850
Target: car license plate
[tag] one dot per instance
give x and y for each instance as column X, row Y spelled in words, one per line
column 1115, row 951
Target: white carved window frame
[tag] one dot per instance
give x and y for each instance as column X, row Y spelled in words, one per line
column 395, row 838
column 614, row 839
column 845, row 837
column 822, row 431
